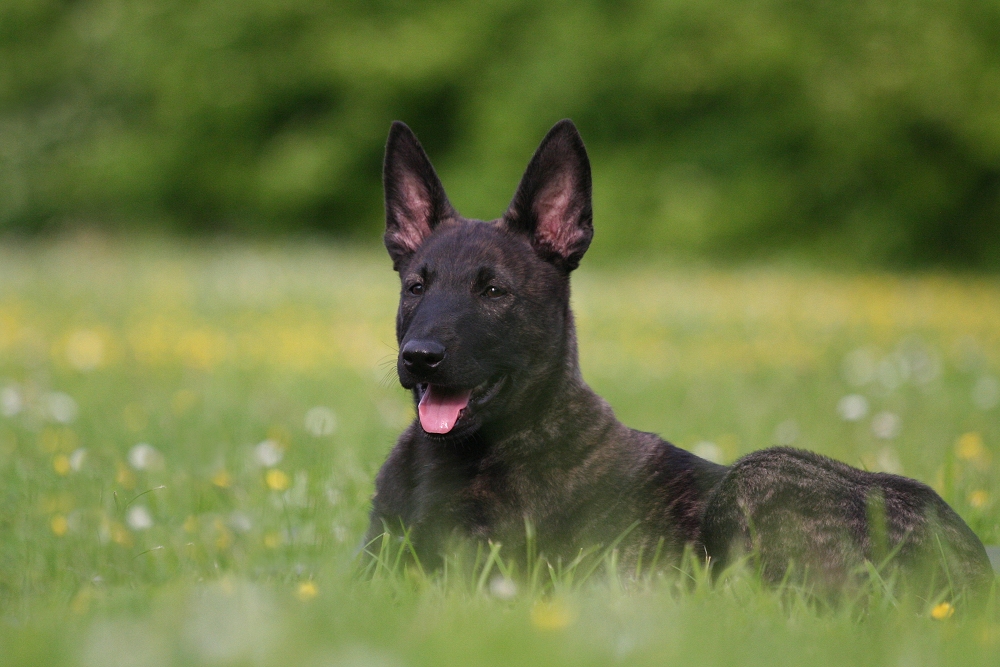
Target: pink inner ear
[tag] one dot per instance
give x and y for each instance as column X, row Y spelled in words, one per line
column 413, row 213
column 556, row 215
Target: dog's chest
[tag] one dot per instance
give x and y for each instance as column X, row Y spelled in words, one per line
column 478, row 498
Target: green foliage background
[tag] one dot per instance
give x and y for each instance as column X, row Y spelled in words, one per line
column 860, row 129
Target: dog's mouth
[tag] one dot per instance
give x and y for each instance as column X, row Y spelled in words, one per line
column 441, row 408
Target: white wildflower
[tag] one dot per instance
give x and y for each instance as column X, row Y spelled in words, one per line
column 852, row 407
column 268, row 453
column 321, row 421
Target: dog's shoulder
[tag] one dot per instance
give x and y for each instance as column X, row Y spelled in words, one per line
column 396, row 482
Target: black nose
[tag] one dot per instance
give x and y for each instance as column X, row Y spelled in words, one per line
column 421, row 356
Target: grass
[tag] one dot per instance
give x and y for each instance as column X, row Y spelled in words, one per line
column 188, row 438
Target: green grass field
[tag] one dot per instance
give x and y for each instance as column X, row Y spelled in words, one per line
column 189, row 434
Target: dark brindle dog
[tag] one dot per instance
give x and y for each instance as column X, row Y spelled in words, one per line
column 507, row 429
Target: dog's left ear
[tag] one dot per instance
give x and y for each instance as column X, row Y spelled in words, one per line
column 552, row 204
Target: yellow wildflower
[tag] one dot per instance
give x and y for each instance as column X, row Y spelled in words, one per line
column 276, row 480
column 120, row 535
column 85, row 349
column 59, row 525
column 81, row 601
column 970, row 448
column 306, row 591
column 125, row 477
column 222, row 479
column 272, row 539
column 202, row 348
column 225, row 536
column 551, row 615
column 942, row 611
column 280, row 435
column 59, row 504
column 61, row 465
column 52, row 440
column 979, row 498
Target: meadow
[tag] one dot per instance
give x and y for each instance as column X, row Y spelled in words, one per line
column 189, row 432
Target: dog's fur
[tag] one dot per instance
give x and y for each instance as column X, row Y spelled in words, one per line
column 484, row 308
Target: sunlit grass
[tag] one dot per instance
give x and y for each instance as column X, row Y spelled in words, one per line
column 188, row 438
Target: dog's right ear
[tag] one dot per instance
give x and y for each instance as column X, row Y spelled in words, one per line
column 552, row 203
column 415, row 201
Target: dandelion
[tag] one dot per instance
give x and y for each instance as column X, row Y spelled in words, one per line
column 61, row 465
column 77, row 458
column 922, row 362
column 321, row 421
column 125, row 477
column 273, row 539
column 852, row 407
column 269, row 453
column 222, row 479
column 280, row 435
column 942, row 611
column 502, row 587
column 787, row 432
column 970, row 448
column 85, row 350
column 551, row 615
column 145, row 457
column 978, row 498
column 224, row 538
column 886, row 425
column 52, row 440
column 60, row 503
column 60, row 407
column 708, row 451
column 120, row 534
column 59, row 525
column 81, row 601
column 276, row 480
column 139, row 518
column 240, row 522
column 202, row 349
column 306, row 591
column 11, row 402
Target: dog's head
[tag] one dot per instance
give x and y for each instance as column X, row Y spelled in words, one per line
column 484, row 327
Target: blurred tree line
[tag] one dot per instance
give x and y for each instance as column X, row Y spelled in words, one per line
column 869, row 129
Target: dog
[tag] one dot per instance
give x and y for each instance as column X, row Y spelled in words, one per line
column 508, row 432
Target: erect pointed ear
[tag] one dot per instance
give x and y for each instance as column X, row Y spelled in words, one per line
column 415, row 201
column 552, row 204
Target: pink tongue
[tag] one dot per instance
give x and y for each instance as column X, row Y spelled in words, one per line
column 439, row 409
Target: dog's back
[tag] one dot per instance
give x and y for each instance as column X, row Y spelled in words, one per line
column 805, row 516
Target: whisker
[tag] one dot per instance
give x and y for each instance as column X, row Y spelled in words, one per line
column 388, row 378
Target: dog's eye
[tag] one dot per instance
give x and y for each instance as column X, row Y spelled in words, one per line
column 416, row 289
column 494, row 292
